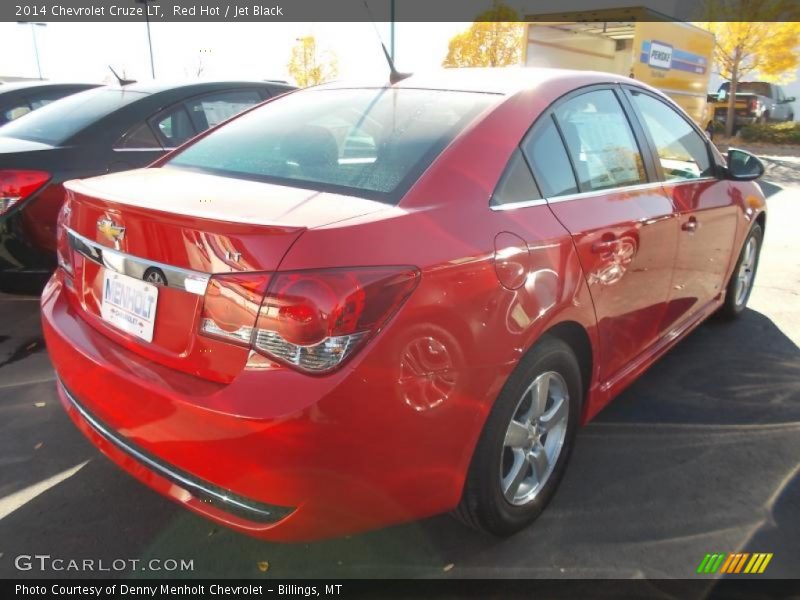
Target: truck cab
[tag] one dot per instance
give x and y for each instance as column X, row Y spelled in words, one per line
column 756, row 102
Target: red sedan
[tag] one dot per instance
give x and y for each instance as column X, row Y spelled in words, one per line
column 358, row 306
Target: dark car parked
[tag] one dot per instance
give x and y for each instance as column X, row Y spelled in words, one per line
column 18, row 99
column 98, row 131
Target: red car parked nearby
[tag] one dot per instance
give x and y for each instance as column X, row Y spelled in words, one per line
column 357, row 306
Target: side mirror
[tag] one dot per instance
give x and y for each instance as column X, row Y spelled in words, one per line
column 743, row 166
column 790, row 99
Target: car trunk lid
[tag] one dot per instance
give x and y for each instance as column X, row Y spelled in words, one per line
column 175, row 229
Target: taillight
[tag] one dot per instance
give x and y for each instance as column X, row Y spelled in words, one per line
column 231, row 306
column 310, row 320
column 15, row 186
column 753, row 104
column 63, row 249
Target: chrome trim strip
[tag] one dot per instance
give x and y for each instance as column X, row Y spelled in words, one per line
column 674, row 182
column 204, row 491
column 159, row 149
column 579, row 195
column 187, row 280
column 669, row 91
column 651, row 185
column 520, row 204
column 615, row 190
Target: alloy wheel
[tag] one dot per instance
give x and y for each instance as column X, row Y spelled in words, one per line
column 744, row 278
column 534, row 438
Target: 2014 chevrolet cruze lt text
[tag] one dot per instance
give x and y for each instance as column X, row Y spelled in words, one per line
column 357, row 306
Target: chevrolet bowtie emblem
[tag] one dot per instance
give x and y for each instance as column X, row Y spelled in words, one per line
column 111, row 230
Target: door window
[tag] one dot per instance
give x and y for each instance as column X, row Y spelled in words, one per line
column 174, row 127
column 681, row 150
column 210, row 110
column 600, row 141
column 548, row 159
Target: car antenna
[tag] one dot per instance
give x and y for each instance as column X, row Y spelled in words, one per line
column 394, row 75
column 122, row 81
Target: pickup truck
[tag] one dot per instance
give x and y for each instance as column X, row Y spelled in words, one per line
column 756, row 102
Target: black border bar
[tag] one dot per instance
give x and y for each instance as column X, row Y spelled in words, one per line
column 505, row 589
column 384, row 10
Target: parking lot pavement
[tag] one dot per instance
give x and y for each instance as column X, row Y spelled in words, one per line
column 700, row 455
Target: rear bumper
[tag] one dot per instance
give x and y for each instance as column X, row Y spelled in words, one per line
column 273, row 454
column 739, row 120
column 23, row 281
column 20, row 256
column 205, row 492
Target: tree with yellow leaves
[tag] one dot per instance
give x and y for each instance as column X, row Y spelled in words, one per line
column 753, row 44
column 493, row 40
column 307, row 66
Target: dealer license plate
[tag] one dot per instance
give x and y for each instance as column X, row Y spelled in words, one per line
column 129, row 304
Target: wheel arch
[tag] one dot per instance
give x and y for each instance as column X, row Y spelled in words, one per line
column 761, row 219
column 577, row 338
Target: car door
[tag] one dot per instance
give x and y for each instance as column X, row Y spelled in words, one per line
column 704, row 204
column 589, row 165
column 781, row 111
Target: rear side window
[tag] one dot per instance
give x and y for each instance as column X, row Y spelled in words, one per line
column 140, row 137
column 213, row 109
column 548, row 158
column 516, row 184
column 600, row 141
column 369, row 142
column 681, row 150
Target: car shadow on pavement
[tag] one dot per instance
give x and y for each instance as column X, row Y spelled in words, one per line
column 700, row 455
column 785, row 171
column 768, row 188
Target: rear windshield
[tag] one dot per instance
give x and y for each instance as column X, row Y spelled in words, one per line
column 758, row 88
column 55, row 123
column 369, row 142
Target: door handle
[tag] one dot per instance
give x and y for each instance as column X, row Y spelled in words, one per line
column 606, row 246
column 690, row 225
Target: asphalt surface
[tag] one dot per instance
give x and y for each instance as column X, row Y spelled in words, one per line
column 700, row 455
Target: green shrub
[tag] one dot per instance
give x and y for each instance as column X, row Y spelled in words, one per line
column 718, row 127
column 772, row 133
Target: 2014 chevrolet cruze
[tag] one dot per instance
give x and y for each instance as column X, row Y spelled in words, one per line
column 357, row 306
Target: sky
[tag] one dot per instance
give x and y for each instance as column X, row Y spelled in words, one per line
column 83, row 51
column 232, row 50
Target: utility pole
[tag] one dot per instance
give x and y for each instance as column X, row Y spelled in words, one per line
column 34, row 25
column 149, row 40
column 391, row 31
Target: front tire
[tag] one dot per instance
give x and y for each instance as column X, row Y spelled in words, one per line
column 526, row 442
column 744, row 273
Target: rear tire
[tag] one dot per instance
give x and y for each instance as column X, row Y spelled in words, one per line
column 516, row 469
column 740, row 284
